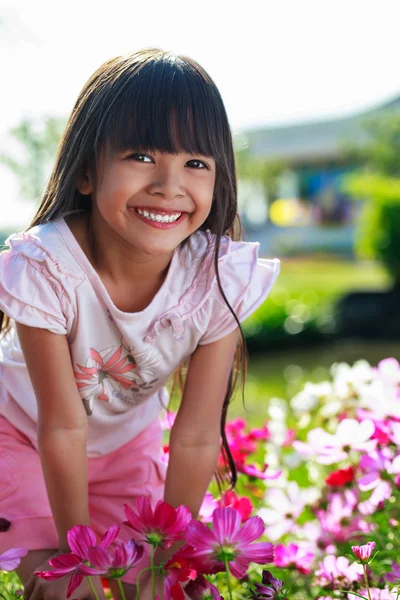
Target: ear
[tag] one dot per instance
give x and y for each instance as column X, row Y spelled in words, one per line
column 84, row 184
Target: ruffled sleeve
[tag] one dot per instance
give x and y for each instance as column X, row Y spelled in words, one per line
column 34, row 290
column 246, row 281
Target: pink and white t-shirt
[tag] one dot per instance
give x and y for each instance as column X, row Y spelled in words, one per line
column 121, row 360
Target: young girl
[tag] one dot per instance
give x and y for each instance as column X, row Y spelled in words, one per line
column 127, row 270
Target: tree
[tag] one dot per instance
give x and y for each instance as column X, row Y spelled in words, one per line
column 378, row 183
column 257, row 170
column 38, row 143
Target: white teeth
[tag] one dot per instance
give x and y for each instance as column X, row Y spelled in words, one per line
column 157, row 217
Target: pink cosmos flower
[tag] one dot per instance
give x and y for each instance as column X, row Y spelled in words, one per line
column 293, row 556
column 394, row 575
column 377, row 465
column 11, row 558
column 115, row 564
column 229, row 541
column 201, row 589
column 252, row 470
column 336, row 572
column 375, row 593
column 229, row 499
column 80, row 539
column 341, row 520
column 161, row 527
column 363, row 553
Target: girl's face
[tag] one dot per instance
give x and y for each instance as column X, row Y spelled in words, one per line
column 153, row 200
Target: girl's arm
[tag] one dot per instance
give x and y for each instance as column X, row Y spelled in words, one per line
column 62, row 427
column 195, row 435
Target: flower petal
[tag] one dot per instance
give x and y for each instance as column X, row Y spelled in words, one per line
column 251, row 530
column 133, row 520
column 11, row 558
column 65, row 561
column 99, row 557
column 226, row 524
column 260, row 552
column 80, row 539
column 164, row 516
column 199, row 536
column 145, row 512
column 74, row 582
column 110, row 535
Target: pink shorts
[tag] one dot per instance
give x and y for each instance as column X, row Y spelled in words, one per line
column 115, row 479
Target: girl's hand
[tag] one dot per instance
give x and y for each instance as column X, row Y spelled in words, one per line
column 40, row 589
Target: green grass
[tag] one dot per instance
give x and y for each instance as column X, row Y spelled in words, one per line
column 283, row 374
column 303, row 299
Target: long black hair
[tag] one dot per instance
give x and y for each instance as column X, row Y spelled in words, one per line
column 141, row 100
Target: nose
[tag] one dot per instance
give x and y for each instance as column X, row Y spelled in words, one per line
column 167, row 182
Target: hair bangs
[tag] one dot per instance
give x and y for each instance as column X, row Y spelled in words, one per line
column 166, row 106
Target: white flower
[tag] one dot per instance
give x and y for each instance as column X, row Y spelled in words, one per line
column 311, row 396
column 332, row 448
column 283, row 507
column 348, row 380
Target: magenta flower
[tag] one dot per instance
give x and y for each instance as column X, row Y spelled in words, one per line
column 124, row 557
column 229, row 542
column 336, row 572
column 163, row 526
column 176, row 571
column 377, row 466
column 363, row 553
column 201, row 589
column 341, row 520
column 80, row 539
column 293, row 556
column 375, row 594
column 394, row 575
column 11, row 558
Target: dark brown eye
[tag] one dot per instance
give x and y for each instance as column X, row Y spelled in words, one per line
column 137, row 156
column 197, row 164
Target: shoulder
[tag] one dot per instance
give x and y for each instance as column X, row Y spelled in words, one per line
column 235, row 263
column 210, row 276
column 44, row 248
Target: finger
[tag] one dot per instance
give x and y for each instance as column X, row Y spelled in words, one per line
column 32, row 589
column 29, row 587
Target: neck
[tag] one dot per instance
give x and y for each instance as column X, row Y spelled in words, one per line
column 113, row 258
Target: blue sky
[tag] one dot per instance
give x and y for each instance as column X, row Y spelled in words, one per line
column 274, row 61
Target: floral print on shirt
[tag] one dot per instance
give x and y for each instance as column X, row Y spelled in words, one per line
column 110, row 375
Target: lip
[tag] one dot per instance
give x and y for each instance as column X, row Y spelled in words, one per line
column 157, row 224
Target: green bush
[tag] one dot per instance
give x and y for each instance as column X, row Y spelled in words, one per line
column 301, row 306
column 378, row 231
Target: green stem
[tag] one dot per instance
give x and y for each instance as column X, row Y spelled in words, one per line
column 137, row 582
column 121, row 588
column 92, row 588
column 398, row 593
column 228, row 578
column 366, row 581
column 153, row 578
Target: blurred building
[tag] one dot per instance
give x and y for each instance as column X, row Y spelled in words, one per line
column 311, row 212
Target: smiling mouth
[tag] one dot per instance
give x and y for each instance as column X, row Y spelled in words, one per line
column 158, row 217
